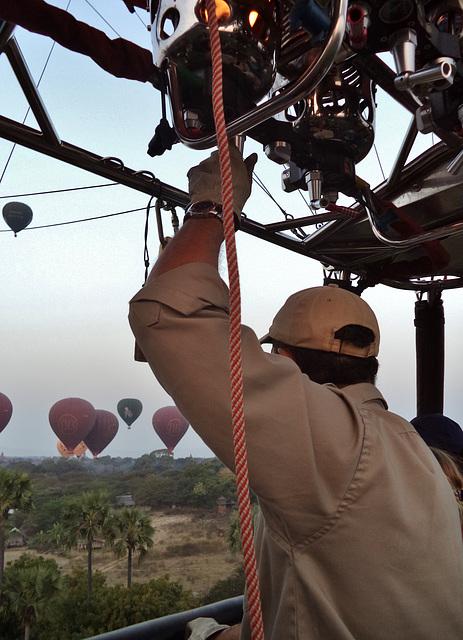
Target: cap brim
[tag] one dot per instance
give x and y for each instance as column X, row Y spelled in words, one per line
column 266, row 339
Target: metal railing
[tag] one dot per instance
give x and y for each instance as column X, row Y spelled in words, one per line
column 173, row 627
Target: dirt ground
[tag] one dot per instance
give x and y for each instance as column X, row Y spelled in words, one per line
column 189, row 546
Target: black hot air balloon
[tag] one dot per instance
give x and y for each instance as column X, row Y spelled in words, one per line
column 170, row 426
column 129, row 409
column 71, row 419
column 6, row 409
column 103, row 431
column 17, row 216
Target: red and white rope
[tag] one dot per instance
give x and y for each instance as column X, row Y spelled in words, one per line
column 252, row 582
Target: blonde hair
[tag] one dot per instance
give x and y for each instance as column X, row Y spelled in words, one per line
column 455, row 478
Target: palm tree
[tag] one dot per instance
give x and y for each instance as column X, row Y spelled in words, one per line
column 30, row 589
column 87, row 518
column 135, row 534
column 15, row 493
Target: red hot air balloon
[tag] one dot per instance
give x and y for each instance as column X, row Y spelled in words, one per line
column 129, row 409
column 6, row 409
column 105, row 428
column 170, row 426
column 71, row 419
column 17, row 216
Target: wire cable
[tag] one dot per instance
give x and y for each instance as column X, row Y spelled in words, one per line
column 141, row 19
column 265, row 189
column 103, row 18
column 146, row 255
column 379, row 161
column 307, row 204
column 62, row 224
column 51, row 191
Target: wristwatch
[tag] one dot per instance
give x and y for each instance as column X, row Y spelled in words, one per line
column 206, row 209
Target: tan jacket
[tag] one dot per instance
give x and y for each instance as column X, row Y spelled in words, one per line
column 359, row 536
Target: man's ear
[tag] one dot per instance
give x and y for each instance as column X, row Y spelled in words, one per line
column 286, row 353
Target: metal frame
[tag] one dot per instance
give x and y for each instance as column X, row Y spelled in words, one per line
column 350, row 246
column 326, row 243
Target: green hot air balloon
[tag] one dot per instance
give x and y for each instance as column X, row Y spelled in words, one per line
column 129, row 409
column 17, row 216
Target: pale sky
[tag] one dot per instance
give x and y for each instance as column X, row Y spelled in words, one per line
column 65, row 289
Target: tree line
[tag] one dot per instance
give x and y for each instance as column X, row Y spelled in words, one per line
column 155, row 480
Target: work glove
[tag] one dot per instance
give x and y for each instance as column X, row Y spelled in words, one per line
column 205, row 183
column 203, row 628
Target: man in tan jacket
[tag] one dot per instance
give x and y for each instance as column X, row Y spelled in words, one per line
column 359, row 535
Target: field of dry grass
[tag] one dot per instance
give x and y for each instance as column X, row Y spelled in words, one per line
column 189, row 546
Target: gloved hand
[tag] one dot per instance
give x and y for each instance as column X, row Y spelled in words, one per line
column 203, row 628
column 204, row 181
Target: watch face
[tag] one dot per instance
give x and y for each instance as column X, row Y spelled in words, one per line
column 205, row 205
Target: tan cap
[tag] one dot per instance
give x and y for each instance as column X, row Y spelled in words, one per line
column 311, row 317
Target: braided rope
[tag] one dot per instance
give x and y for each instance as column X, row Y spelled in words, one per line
column 252, row 583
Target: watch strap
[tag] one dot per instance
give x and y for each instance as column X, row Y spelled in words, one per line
column 207, row 209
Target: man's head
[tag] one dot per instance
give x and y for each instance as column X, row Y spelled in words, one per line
column 331, row 333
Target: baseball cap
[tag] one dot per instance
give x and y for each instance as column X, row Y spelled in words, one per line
column 439, row 431
column 311, row 317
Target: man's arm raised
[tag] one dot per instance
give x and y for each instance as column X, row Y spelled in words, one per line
column 199, row 239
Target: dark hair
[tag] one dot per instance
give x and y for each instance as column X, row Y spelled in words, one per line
column 337, row 368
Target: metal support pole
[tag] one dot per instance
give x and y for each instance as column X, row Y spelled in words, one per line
column 429, row 323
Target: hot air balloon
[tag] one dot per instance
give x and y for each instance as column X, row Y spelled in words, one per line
column 129, row 409
column 104, row 430
column 71, row 419
column 63, row 450
column 6, row 409
column 17, row 216
column 80, row 449
column 170, row 426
